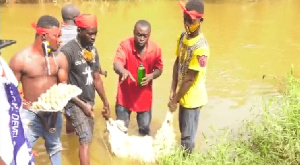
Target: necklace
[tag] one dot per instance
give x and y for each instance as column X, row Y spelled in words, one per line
column 78, row 44
column 87, row 55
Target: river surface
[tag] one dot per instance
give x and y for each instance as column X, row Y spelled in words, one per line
column 248, row 39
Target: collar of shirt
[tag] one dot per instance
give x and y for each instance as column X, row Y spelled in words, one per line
column 148, row 49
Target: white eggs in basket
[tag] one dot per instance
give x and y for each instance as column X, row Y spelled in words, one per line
column 56, row 98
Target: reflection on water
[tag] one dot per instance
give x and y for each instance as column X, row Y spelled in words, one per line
column 248, row 39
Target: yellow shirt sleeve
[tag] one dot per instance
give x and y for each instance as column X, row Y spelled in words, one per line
column 194, row 63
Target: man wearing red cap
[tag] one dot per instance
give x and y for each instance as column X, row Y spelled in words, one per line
column 84, row 66
column 68, row 32
column 189, row 72
column 38, row 69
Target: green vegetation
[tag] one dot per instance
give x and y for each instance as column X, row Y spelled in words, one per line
column 272, row 138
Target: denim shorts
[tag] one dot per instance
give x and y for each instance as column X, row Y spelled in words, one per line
column 84, row 126
column 36, row 129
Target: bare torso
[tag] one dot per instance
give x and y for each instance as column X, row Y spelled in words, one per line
column 34, row 73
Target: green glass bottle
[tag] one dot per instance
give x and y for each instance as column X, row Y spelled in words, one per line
column 141, row 74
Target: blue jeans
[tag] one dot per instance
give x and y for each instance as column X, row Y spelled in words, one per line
column 188, row 124
column 143, row 118
column 37, row 129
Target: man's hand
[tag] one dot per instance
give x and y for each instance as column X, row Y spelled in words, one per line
column 88, row 110
column 103, row 72
column 106, row 112
column 125, row 74
column 172, row 105
column 147, row 79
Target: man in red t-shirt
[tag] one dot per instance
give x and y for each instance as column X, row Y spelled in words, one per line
column 130, row 54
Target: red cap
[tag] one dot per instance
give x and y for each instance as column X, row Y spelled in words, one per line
column 86, row 21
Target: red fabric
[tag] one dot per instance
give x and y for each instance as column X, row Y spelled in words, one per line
column 86, row 21
column 51, row 31
column 193, row 14
column 129, row 94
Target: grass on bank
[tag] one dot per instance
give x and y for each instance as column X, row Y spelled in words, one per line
column 273, row 138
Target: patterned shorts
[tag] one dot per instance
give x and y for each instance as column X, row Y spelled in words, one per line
column 84, row 126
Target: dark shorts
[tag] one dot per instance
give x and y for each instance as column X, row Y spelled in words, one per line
column 84, row 126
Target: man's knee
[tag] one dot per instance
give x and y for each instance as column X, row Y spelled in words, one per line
column 53, row 148
column 121, row 111
column 52, row 143
column 85, row 133
column 84, row 146
column 84, row 130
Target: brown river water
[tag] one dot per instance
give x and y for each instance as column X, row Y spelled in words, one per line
column 248, row 39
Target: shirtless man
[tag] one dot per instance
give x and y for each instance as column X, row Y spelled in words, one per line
column 37, row 73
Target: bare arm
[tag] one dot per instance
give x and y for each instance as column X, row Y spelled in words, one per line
column 63, row 68
column 124, row 73
column 98, row 83
column 118, row 68
column 158, row 65
column 174, row 79
column 156, row 73
column 16, row 65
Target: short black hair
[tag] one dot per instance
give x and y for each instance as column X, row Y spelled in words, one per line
column 47, row 21
column 69, row 12
column 142, row 22
column 196, row 5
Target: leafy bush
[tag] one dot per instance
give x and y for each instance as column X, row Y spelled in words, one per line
column 273, row 138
